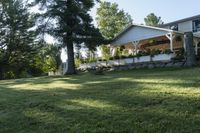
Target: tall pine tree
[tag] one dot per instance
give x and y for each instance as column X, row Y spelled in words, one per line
column 17, row 37
column 69, row 21
column 153, row 20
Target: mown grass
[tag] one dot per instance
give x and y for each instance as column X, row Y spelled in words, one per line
column 138, row 101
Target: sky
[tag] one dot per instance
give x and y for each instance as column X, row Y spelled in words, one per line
column 168, row 10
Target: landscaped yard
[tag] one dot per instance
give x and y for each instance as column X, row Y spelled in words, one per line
column 150, row 101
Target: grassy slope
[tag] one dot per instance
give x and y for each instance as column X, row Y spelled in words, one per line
column 153, row 101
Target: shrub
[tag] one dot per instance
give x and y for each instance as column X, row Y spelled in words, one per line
column 111, row 58
column 123, row 57
column 130, row 56
column 99, row 71
column 198, row 44
column 92, row 60
column 181, row 52
column 78, row 62
column 155, row 52
column 105, row 52
column 116, row 57
column 178, row 58
column 167, row 51
column 9, row 75
column 24, row 74
column 122, row 48
column 178, row 38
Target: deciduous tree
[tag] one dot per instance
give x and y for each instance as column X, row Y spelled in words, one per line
column 111, row 20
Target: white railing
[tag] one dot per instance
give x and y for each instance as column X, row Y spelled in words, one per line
column 126, row 61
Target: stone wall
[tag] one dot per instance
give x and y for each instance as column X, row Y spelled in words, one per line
column 150, row 65
column 147, row 65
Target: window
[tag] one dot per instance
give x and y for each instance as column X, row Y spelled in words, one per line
column 196, row 25
column 174, row 27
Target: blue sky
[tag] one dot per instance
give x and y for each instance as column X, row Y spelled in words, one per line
column 169, row 10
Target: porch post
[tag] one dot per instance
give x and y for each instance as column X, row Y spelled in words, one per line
column 112, row 50
column 135, row 43
column 170, row 36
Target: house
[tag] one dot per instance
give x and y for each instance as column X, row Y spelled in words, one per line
column 191, row 24
column 170, row 36
column 143, row 44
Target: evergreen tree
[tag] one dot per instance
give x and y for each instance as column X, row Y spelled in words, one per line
column 17, row 37
column 111, row 20
column 153, row 20
column 69, row 21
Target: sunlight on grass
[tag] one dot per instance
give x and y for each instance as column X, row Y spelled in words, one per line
column 45, row 86
column 79, row 104
column 93, row 103
column 42, row 116
column 157, row 101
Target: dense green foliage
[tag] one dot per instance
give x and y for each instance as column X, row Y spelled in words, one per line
column 47, row 59
column 70, row 23
column 22, row 52
column 106, row 53
column 18, row 39
column 153, row 20
column 111, row 20
column 138, row 101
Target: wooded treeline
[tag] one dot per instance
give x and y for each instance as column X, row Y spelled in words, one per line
column 23, row 51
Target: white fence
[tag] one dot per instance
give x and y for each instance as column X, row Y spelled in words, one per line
column 57, row 73
column 160, row 57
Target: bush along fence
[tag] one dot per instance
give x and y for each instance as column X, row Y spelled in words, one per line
column 141, row 60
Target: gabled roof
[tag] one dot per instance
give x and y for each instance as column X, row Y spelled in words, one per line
column 147, row 27
column 144, row 26
column 182, row 20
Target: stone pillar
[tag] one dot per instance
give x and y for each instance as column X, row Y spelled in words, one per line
column 189, row 49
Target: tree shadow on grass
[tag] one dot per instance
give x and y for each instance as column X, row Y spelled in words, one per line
column 100, row 104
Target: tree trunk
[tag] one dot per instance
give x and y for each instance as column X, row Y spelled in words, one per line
column 70, row 54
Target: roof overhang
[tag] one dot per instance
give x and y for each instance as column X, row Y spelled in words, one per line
column 139, row 32
column 136, row 32
column 181, row 21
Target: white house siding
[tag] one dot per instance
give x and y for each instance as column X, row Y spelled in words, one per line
column 138, row 33
column 185, row 26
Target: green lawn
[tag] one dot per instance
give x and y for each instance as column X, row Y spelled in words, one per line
column 138, row 101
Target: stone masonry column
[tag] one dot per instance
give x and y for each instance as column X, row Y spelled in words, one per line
column 189, row 49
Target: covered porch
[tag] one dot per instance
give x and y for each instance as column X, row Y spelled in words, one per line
column 150, row 44
column 141, row 46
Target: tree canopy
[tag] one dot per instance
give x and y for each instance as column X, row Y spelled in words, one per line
column 22, row 51
column 111, row 20
column 69, row 22
column 18, row 39
column 47, row 59
column 153, row 20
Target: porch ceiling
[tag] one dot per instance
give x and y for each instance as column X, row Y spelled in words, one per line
column 142, row 42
